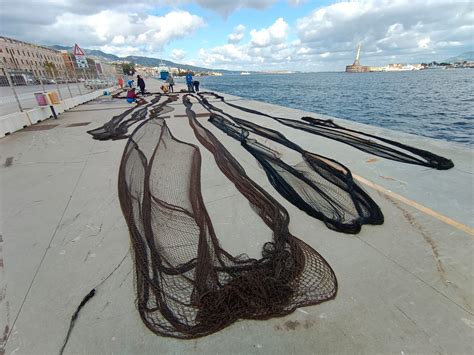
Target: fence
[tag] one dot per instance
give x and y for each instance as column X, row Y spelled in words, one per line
column 18, row 105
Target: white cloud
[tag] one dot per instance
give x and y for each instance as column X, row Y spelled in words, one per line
column 120, row 31
column 274, row 34
column 178, row 54
column 424, row 42
column 118, row 40
column 267, row 46
column 237, row 34
column 296, row 2
column 389, row 30
column 226, row 7
column 386, row 27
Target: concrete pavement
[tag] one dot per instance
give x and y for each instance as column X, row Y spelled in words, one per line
column 405, row 287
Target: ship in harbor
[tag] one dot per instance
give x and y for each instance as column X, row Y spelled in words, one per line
column 164, row 71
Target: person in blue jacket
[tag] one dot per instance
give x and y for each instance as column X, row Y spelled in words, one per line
column 189, row 82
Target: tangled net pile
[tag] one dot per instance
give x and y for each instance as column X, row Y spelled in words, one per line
column 117, row 127
column 187, row 285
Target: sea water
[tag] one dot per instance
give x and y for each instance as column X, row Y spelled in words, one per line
column 433, row 103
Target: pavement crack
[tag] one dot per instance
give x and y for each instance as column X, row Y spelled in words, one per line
column 48, row 247
column 416, row 276
column 415, row 224
column 86, row 299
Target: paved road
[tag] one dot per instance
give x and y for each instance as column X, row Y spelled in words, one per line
column 8, row 103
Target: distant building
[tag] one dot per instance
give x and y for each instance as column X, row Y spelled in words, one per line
column 28, row 60
column 82, row 73
column 403, row 67
column 106, row 70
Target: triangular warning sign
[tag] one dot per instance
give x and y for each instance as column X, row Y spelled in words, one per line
column 77, row 50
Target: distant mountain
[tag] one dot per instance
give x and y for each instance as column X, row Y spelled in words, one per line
column 144, row 61
column 107, row 57
column 469, row 56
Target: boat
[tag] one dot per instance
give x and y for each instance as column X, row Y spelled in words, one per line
column 245, row 73
column 164, row 71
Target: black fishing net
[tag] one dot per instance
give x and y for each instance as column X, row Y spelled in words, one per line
column 321, row 187
column 187, row 285
column 117, row 127
column 318, row 185
column 372, row 144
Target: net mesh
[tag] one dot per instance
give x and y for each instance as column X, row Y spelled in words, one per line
column 187, row 285
column 117, row 127
column 369, row 143
column 318, row 185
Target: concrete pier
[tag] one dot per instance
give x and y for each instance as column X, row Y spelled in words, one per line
column 405, row 287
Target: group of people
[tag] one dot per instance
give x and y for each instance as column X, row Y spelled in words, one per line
column 193, row 86
column 131, row 93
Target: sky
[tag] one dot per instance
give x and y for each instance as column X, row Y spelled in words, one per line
column 302, row 35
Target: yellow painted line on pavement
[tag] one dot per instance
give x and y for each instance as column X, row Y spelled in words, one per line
column 416, row 205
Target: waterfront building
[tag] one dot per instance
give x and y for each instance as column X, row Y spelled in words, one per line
column 82, row 73
column 27, row 62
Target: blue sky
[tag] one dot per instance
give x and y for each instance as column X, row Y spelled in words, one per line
column 301, row 35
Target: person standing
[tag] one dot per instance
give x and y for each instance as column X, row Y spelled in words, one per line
column 141, row 84
column 189, row 82
column 170, row 82
column 196, row 85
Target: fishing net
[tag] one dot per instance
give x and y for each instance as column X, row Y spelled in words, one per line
column 117, row 127
column 187, row 285
column 320, row 186
column 368, row 143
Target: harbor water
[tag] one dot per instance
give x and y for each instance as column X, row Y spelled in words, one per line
column 432, row 103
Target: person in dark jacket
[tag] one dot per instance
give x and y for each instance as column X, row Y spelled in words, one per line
column 141, row 84
column 196, row 85
column 189, row 81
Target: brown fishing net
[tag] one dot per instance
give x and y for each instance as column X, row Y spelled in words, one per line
column 187, row 285
column 366, row 142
